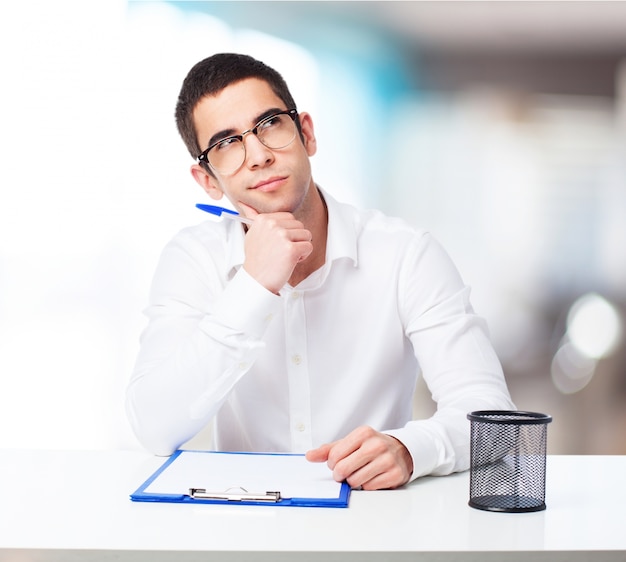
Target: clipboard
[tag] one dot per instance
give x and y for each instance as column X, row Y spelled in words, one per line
column 234, row 478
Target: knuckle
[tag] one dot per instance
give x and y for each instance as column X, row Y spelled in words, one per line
column 331, row 462
column 340, row 474
column 334, row 459
column 364, row 432
column 265, row 220
column 379, row 448
column 353, row 482
column 395, row 473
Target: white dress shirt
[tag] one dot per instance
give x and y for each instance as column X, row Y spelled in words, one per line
column 343, row 348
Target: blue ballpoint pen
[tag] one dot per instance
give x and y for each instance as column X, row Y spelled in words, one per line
column 223, row 212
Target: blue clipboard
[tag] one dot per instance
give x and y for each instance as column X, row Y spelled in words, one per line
column 227, row 478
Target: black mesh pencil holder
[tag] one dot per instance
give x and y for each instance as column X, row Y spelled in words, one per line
column 508, row 460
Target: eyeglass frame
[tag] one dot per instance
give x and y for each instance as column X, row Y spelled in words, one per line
column 203, row 157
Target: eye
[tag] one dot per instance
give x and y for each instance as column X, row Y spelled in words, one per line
column 273, row 121
column 226, row 143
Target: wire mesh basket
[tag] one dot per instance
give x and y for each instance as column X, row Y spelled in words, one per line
column 508, row 460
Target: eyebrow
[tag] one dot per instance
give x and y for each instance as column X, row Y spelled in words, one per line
column 232, row 132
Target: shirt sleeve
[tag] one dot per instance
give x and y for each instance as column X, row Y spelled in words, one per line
column 457, row 360
column 204, row 332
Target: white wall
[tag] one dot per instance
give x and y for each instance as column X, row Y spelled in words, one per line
column 94, row 182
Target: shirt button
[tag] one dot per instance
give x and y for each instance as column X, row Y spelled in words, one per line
column 300, row 427
column 296, row 359
column 295, row 295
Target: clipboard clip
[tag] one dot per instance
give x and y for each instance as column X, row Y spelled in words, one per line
column 234, row 495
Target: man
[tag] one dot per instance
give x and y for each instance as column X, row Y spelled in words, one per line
column 305, row 330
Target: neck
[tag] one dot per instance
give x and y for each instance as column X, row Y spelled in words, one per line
column 317, row 222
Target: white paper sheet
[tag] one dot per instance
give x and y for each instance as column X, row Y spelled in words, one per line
column 291, row 475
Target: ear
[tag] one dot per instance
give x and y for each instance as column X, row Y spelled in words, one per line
column 207, row 182
column 306, row 124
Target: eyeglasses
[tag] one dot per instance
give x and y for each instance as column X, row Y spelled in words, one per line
column 227, row 155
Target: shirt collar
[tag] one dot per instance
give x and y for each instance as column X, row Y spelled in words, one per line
column 343, row 230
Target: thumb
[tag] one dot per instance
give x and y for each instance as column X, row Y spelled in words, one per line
column 320, row 454
column 246, row 210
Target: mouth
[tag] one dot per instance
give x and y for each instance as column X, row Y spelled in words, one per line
column 270, row 184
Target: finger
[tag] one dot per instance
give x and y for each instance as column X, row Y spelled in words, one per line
column 390, row 465
column 356, row 468
column 297, row 234
column 320, row 454
column 247, row 211
column 361, row 479
column 367, row 454
column 384, row 481
column 390, row 476
column 349, row 444
column 379, row 472
column 281, row 222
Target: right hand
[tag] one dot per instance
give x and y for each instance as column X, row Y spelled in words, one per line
column 274, row 245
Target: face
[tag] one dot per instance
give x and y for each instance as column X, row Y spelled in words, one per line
column 269, row 180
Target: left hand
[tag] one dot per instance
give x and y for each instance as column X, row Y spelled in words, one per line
column 366, row 458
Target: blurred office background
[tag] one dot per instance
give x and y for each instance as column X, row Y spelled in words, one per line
column 500, row 126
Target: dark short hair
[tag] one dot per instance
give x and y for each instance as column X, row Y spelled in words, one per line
column 209, row 77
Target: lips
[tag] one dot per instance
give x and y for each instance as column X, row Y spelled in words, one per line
column 270, row 184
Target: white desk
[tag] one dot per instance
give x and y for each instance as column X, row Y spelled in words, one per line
column 70, row 506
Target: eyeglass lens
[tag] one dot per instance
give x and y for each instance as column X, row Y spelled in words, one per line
column 275, row 132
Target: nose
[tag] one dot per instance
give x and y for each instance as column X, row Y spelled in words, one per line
column 257, row 154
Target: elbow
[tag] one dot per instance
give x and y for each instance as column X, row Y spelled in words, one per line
column 147, row 430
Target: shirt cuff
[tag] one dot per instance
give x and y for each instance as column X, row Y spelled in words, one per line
column 423, row 448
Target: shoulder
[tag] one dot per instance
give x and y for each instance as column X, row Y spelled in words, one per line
column 373, row 239
column 209, row 244
column 381, row 223
column 374, row 222
column 206, row 235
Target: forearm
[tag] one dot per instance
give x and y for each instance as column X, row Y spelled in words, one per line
column 456, row 358
column 189, row 362
column 440, row 445
column 463, row 374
